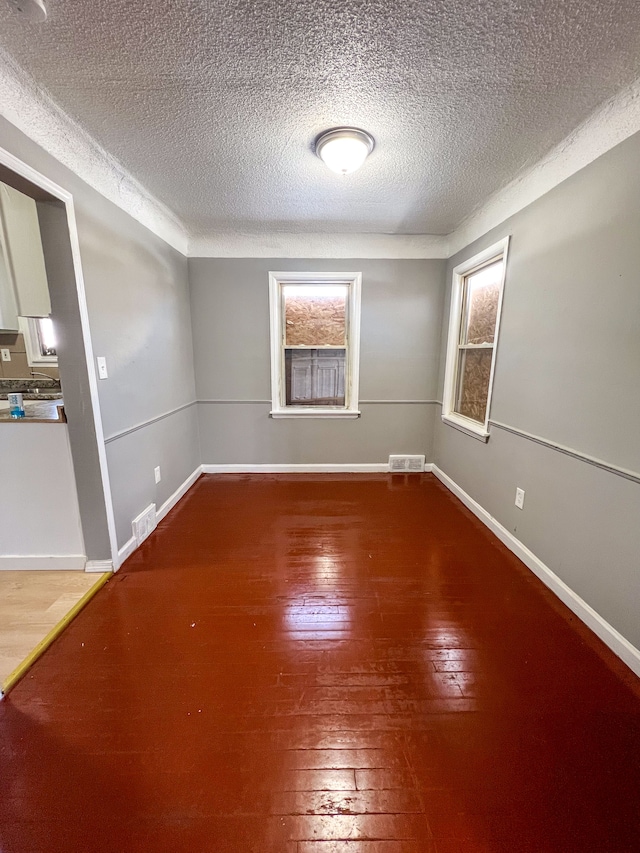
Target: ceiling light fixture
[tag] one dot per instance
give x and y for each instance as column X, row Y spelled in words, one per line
column 32, row 10
column 344, row 149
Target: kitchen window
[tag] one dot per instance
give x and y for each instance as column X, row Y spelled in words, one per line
column 315, row 342
column 40, row 340
column 476, row 301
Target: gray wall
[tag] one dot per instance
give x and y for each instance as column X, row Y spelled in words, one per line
column 72, row 362
column 568, row 371
column 400, row 336
column 137, row 296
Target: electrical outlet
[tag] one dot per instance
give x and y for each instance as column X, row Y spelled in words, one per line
column 6, row 354
column 520, row 498
column 157, row 474
column 102, row 367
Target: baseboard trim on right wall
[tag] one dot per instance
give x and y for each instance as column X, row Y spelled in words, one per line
column 618, row 644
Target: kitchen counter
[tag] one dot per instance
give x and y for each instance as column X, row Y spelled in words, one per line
column 39, row 412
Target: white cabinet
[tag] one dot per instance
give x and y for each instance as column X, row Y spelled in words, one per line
column 8, row 302
column 22, row 258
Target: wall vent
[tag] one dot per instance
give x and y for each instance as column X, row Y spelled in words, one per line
column 406, row 464
column 144, row 524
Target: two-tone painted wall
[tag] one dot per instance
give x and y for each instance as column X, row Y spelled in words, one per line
column 566, row 402
column 138, row 305
column 400, row 337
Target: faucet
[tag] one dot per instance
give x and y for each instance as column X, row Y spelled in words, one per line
column 46, row 376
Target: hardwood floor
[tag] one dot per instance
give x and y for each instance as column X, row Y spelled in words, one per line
column 31, row 604
column 322, row 664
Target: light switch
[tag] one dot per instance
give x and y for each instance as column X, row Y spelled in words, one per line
column 6, row 354
column 102, row 367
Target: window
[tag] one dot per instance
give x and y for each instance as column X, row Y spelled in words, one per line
column 476, row 299
column 40, row 339
column 315, row 342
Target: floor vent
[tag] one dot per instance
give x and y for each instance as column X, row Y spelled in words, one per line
column 406, row 464
column 144, row 524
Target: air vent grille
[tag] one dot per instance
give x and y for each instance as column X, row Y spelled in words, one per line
column 144, row 524
column 406, row 464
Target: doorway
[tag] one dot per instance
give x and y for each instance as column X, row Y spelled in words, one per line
column 59, row 514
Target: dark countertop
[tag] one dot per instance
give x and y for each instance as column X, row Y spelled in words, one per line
column 42, row 411
column 31, row 388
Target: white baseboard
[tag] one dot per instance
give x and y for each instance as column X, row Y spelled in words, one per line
column 38, row 562
column 127, row 550
column 130, row 545
column 99, row 566
column 303, row 468
column 180, row 492
column 618, row 644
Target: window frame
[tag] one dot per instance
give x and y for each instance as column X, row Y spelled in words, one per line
column 28, row 327
column 496, row 252
column 279, row 409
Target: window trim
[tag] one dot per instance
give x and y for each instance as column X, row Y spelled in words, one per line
column 497, row 251
column 278, row 409
column 34, row 356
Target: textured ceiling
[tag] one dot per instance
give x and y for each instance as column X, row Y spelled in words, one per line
column 213, row 105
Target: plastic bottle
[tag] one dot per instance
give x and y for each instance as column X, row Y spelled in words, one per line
column 16, row 407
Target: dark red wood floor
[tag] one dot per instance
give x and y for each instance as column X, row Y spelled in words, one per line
column 327, row 664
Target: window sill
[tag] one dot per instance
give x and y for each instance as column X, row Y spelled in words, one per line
column 467, row 426
column 315, row 413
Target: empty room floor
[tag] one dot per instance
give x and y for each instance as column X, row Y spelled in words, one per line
column 322, row 664
column 31, row 604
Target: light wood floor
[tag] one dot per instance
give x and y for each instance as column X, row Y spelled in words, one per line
column 31, row 604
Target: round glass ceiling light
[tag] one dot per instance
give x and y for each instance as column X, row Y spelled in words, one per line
column 32, row 10
column 344, row 149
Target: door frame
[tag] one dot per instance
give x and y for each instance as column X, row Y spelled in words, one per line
column 22, row 169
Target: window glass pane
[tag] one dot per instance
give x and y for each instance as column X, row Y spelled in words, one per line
column 46, row 336
column 314, row 377
column 482, row 293
column 315, row 315
column 472, row 387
